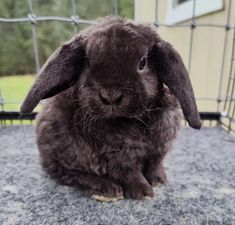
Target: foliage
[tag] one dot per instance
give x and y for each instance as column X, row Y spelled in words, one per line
column 16, row 47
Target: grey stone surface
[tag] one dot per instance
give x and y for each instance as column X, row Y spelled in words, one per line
column 200, row 189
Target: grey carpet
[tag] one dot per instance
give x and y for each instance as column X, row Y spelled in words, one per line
column 200, row 188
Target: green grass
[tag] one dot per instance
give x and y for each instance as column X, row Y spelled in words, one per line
column 15, row 88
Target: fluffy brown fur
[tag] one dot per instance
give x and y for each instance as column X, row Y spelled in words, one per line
column 114, row 111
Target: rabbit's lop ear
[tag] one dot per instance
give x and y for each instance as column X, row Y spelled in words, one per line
column 169, row 67
column 60, row 72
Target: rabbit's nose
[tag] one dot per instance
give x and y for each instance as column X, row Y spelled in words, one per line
column 110, row 98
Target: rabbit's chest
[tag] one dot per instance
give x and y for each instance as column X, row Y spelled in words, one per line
column 120, row 147
column 107, row 145
column 125, row 145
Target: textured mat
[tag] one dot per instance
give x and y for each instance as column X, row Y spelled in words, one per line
column 200, row 188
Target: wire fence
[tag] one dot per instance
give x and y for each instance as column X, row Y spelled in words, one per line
column 226, row 103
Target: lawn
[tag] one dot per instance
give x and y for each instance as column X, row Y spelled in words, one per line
column 14, row 89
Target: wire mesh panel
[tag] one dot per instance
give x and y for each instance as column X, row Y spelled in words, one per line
column 66, row 20
column 224, row 104
column 229, row 105
column 224, row 110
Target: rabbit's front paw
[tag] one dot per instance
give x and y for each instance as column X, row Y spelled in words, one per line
column 156, row 177
column 138, row 191
column 109, row 191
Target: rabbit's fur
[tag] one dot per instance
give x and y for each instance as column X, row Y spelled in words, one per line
column 111, row 119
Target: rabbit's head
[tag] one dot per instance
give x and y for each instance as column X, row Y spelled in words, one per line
column 116, row 68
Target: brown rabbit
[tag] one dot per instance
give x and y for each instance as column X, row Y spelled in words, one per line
column 114, row 111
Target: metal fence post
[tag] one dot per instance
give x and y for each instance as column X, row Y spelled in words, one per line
column 116, row 7
column 33, row 22
column 192, row 27
column 74, row 17
column 227, row 28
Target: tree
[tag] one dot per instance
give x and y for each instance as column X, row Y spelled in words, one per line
column 16, row 47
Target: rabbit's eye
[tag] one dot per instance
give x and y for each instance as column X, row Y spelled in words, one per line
column 142, row 63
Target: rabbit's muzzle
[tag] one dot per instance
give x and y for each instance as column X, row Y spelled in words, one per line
column 112, row 101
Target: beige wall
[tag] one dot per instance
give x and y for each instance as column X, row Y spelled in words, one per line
column 208, row 44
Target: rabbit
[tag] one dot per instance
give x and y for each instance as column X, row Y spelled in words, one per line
column 114, row 94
